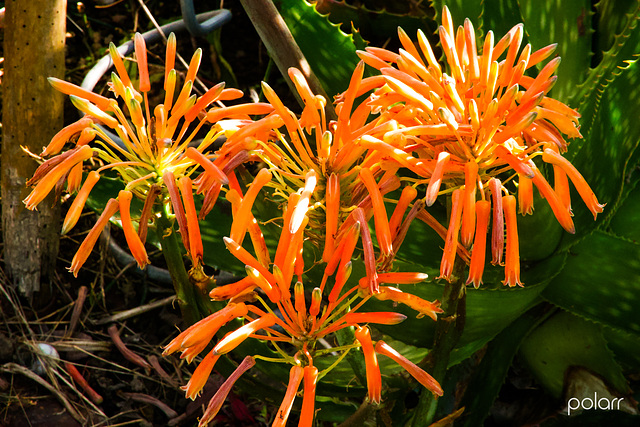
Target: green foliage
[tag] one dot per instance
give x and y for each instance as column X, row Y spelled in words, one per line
column 565, row 341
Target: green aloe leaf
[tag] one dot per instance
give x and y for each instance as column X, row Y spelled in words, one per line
column 612, row 16
column 489, row 309
column 600, row 282
column 566, row 341
column 329, row 51
column 567, row 23
column 622, row 46
column 603, row 157
column 378, row 22
column 625, row 346
column 492, row 370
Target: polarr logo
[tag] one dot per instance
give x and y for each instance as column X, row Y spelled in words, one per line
column 587, row 403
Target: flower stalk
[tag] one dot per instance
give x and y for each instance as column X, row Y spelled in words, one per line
column 185, row 290
column 449, row 329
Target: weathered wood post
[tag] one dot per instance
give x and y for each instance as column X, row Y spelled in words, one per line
column 34, row 40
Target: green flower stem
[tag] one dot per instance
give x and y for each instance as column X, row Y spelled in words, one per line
column 448, row 332
column 185, row 291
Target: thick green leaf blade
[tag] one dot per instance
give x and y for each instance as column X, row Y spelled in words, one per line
column 566, row 341
column 489, row 310
column 329, row 51
column 567, row 23
column 601, row 281
column 490, row 374
column 603, row 157
column 612, row 17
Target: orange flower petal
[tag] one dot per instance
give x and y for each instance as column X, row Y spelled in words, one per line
column 416, row 372
column 512, row 262
column 133, row 240
column 300, row 209
column 203, row 102
column 367, row 248
column 525, row 195
column 89, row 242
column 63, row 136
column 559, row 210
column 74, row 178
column 170, row 58
column 497, row 229
column 194, row 64
column 408, row 194
column 195, row 241
column 76, row 207
column 241, row 219
column 332, row 211
column 200, row 376
column 379, row 212
column 422, row 306
column 436, row 178
column 374, row 380
column 576, row 178
column 259, row 108
column 246, row 258
column 221, row 395
column 476, row 268
column 70, row 89
column 141, row 58
column 309, row 397
column 207, row 164
column 176, row 204
column 380, row 317
column 561, row 186
column 295, row 377
column 236, row 337
column 469, row 204
column 116, row 58
column 46, row 184
column 451, row 242
column 225, row 292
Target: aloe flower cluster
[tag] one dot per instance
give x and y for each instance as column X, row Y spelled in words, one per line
column 470, row 123
column 155, row 154
column 465, row 133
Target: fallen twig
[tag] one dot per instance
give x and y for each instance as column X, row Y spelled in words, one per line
column 145, row 398
column 82, row 382
column 127, row 314
column 153, row 360
column 14, row 368
column 77, row 309
column 128, row 354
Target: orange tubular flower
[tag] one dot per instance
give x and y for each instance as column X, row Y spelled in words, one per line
column 300, row 323
column 90, row 241
column 472, row 120
column 73, row 214
column 423, row 307
column 476, row 267
column 512, row 265
column 295, row 377
column 374, row 380
column 133, row 240
column 451, row 242
column 308, row 400
column 235, row 338
column 153, row 145
column 200, row 376
column 221, row 395
column 416, row 372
